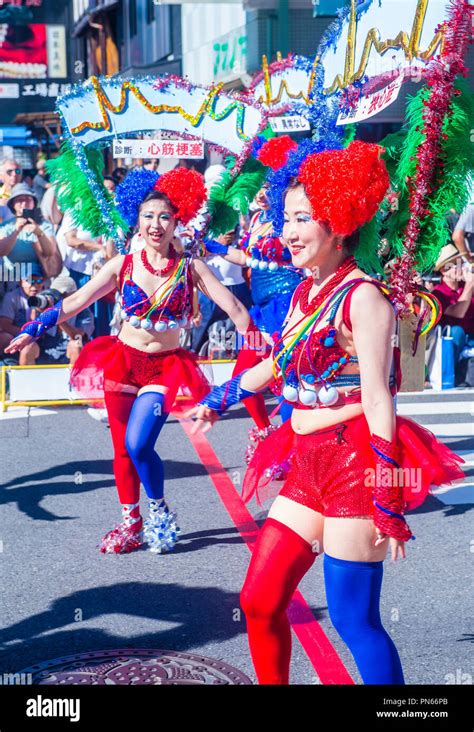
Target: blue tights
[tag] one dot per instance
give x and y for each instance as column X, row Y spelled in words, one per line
column 147, row 417
column 353, row 596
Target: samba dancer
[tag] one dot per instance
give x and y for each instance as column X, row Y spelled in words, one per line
column 345, row 445
column 143, row 367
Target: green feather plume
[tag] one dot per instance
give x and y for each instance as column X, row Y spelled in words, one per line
column 457, row 155
column 349, row 135
column 74, row 192
column 231, row 196
column 367, row 252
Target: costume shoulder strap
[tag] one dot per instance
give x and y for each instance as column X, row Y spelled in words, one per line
column 346, row 305
column 126, row 268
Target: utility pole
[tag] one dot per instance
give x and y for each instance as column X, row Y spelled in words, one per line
column 283, row 19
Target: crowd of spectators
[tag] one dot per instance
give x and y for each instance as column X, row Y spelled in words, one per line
column 44, row 256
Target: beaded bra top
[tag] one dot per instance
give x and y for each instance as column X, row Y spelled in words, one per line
column 309, row 371
column 169, row 307
column 264, row 251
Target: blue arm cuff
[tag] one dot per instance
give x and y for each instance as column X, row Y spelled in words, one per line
column 214, row 247
column 44, row 321
column 225, row 396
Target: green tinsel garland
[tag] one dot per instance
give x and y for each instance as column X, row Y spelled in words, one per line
column 74, row 191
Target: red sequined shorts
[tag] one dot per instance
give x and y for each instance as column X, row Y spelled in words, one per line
column 108, row 364
column 328, row 470
column 332, row 471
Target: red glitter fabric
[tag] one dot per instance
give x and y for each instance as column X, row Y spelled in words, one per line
column 333, row 471
column 274, row 153
column 106, row 363
column 345, row 187
column 186, row 191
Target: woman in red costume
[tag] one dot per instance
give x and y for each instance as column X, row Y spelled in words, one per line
column 354, row 466
column 140, row 371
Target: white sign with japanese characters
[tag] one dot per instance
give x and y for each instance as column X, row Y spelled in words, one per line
column 108, row 108
column 56, row 43
column 193, row 149
column 292, row 123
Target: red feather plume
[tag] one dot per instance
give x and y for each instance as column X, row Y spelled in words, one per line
column 186, row 190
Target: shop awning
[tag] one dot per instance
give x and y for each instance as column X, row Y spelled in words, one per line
column 16, row 136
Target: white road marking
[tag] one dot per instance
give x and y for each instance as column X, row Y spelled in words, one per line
column 22, row 412
column 454, row 495
column 423, row 408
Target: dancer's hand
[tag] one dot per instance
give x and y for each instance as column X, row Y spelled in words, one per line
column 397, row 547
column 18, row 343
column 205, row 418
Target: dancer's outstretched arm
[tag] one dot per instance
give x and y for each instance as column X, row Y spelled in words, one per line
column 222, row 397
column 101, row 284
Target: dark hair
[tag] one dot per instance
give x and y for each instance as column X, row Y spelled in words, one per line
column 158, row 196
column 111, row 178
column 351, row 242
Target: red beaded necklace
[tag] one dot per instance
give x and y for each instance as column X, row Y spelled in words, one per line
column 159, row 272
column 342, row 271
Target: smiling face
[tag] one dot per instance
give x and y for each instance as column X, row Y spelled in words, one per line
column 157, row 224
column 307, row 240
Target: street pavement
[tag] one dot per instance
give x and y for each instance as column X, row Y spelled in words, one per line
column 61, row 596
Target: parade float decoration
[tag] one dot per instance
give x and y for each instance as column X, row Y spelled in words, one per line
column 102, row 110
column 362, row 61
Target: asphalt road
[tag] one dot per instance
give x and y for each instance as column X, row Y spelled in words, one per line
column 61, row 596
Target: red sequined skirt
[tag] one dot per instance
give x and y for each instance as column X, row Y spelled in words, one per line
column 108, row 364
column 332, row 471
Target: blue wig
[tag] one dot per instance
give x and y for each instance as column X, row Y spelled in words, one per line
column 131, row 192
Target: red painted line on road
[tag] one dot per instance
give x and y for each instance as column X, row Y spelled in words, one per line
column 317, row 646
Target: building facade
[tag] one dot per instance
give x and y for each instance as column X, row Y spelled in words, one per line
column 34, row 56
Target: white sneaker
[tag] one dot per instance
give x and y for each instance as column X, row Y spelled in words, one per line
column 98, row 414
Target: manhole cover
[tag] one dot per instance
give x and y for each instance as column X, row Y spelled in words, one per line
column 134, row 666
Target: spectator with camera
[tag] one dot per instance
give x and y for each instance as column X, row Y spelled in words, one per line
column 456, row 295
column 15, row 311
column 60, row 345
column 26, row 238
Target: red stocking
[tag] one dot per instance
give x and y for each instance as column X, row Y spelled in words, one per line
column 279, row 561
column 255, row 405
column 119, row 405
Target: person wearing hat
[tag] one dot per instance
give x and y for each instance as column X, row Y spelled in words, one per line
column 61, row 345
column 23, row 239
column 456, row 295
